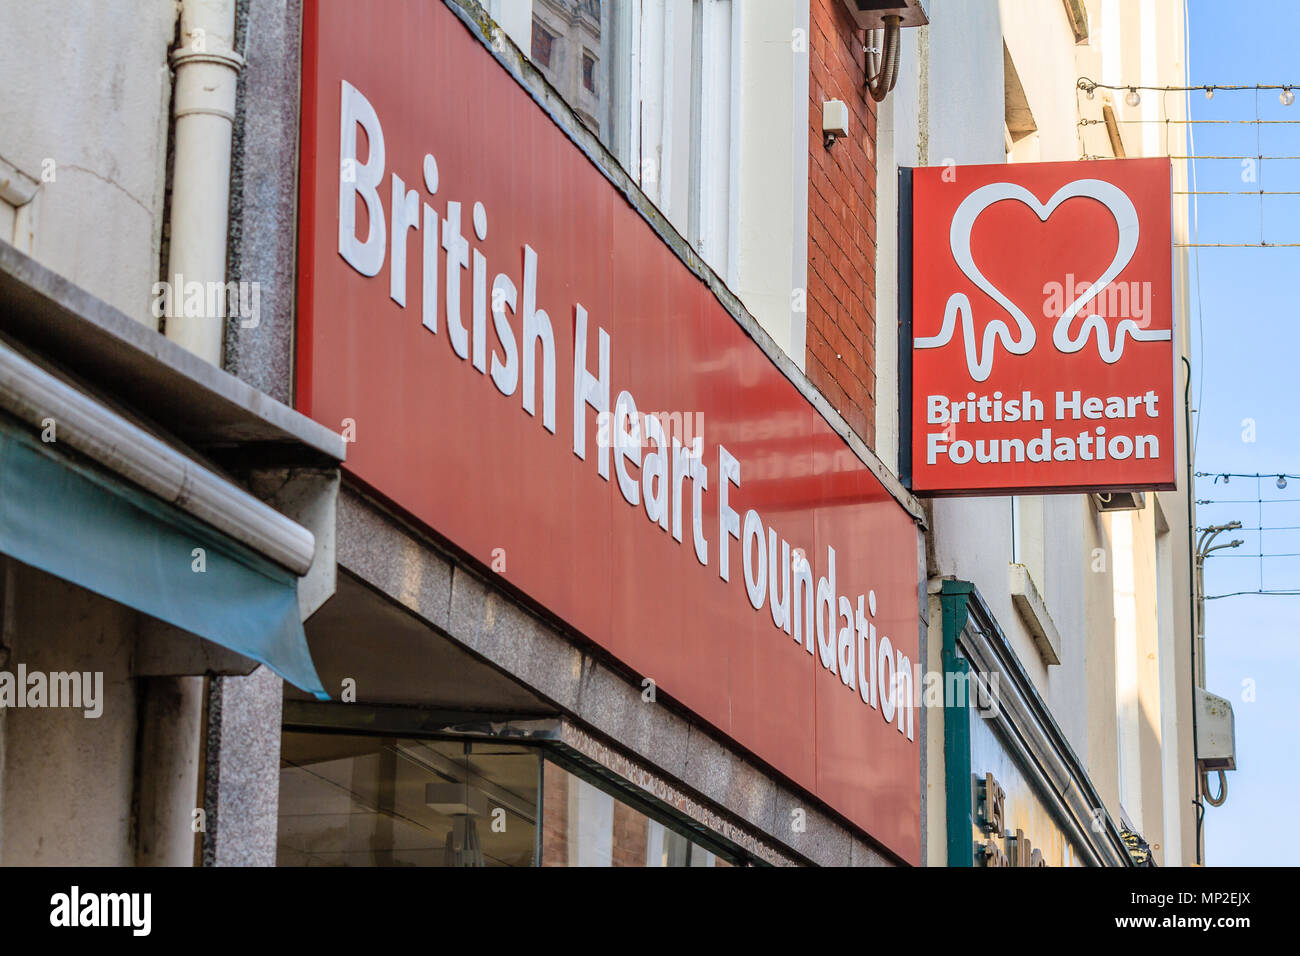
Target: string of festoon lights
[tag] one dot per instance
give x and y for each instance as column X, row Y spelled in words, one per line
column 1281, row 478
column 1133, row 93
column 1132, row 97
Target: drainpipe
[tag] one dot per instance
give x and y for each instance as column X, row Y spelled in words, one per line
column 172, row 709
column 207, row 75
column 1191, row 562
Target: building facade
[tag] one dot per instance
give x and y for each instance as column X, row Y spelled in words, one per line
column 481, row 422
column 1092, row 602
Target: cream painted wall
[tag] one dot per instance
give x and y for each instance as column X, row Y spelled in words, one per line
column 772, row 254
column 515, row 17
column 1099, row 709
column 1142, row 42
column 898, row 143
column 68, row 781
column 1039, row 37
column 97, row 146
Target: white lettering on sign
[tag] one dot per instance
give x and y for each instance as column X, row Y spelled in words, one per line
column 654, row 468
column 1095, row 444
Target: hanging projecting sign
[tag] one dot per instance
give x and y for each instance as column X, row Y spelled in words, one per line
column 1040, row 334
column 527, row 368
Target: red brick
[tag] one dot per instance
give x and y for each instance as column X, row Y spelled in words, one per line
column 841, row 327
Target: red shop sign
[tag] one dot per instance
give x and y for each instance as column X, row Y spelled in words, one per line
column 531, row 372
column 1041, row 328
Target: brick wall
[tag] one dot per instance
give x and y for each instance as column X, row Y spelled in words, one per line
column 555, row 815
column 629, row 838
column 841, row 340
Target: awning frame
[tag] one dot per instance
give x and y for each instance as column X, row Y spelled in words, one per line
column 72, row 519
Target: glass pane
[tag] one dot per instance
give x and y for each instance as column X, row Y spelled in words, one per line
column 631, row 72
column 570, row 45
column 583, row 825
column 382, row 801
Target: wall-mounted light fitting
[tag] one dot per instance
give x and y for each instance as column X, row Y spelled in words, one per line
column 835, row 121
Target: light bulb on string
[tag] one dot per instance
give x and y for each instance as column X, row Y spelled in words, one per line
column 1281, row 482
column 1209, row 92
column 1132, row 97
column 1286, row 97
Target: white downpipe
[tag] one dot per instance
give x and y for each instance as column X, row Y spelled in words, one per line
column 207, row 72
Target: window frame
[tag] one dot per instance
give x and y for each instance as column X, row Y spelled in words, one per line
column 415, row 723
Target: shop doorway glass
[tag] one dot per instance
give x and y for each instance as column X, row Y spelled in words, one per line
column 384, row 801
column 360, row 800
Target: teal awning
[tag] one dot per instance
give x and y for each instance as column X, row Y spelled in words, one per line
column 79, row 523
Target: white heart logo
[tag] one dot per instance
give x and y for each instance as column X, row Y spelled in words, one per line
column 979, row 360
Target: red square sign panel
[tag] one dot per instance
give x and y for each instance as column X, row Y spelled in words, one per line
column 1042, row 354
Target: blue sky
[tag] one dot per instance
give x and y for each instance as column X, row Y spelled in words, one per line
column 1248, row 360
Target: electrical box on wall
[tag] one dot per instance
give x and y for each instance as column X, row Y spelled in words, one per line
column 835, row 119
column 1119, row 500
column 870, row 14
column 1216, row 738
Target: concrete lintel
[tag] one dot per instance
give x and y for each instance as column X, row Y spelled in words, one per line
column 583, row 682
column 1033, row 611
column 310, row 497
column 200, row 404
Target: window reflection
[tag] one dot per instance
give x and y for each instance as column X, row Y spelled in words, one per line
column 354, row 800
column 658, row 84
column 376, row 801
column 567, row 47
column 583, row 825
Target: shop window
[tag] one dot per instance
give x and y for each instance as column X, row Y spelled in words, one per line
column 583, row 825
column 354, row 800
column 381, row 801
